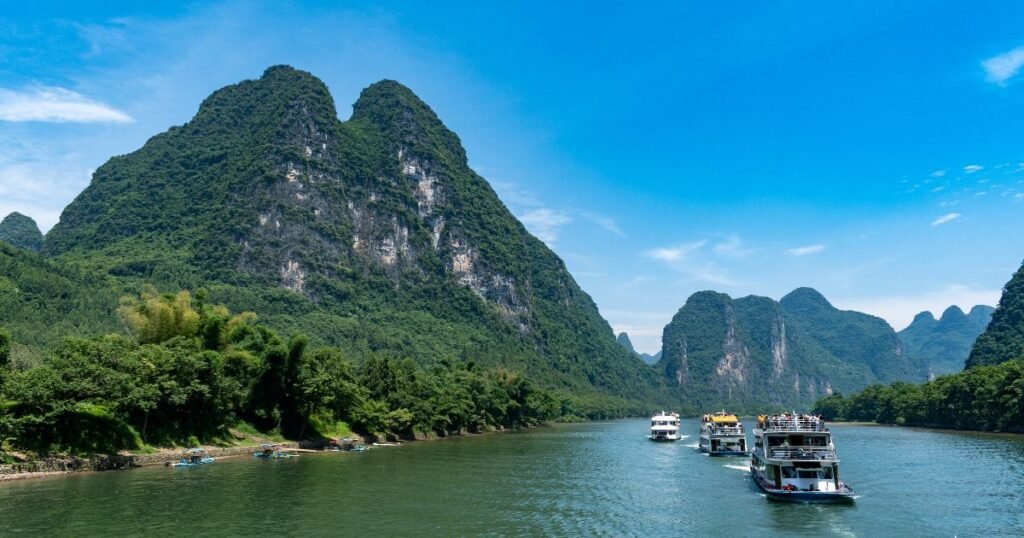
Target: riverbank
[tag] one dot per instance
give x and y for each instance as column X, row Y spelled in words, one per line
column 59, row 466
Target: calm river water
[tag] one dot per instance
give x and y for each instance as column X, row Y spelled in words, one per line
column 588, row 479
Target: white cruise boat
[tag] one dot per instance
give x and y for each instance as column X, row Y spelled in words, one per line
column 665, row 427
column 722, row 434
column 794, row 460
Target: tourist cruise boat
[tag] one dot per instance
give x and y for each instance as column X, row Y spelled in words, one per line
column 722, row 434
column 665, row 427
column 794, row 460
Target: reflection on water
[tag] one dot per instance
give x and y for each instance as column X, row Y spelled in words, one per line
column 602, row 478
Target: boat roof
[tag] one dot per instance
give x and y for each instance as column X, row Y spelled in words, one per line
column 720, row 416
column 665, row 416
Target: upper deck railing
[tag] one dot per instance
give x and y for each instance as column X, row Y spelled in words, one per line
column 787, row 422
column 805, row 453
column 725, row 430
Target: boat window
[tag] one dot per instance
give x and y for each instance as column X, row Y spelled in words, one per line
column 774, row 441
column 789, row 472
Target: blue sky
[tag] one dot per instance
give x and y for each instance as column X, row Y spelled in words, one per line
column 872, row 151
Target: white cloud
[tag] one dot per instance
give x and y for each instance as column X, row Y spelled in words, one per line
column 38, row 182
column 607, row 223
column 900, row 310
column 732, row 248
column 513, row 193
column 948, row 217
column 938, row 173
column 545, row 223
column 1018, row 197
column 676, row 253
column 1001, row 68
column 972, row 168
column 49, row 104
column 804, row 251
column 689, row 260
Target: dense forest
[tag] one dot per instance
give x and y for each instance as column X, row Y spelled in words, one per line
column 189, row 371
column 986, row 398
column 988, row 395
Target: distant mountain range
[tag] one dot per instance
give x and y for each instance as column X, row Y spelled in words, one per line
column 755, row 351
column 945, row 343
column 623, row 340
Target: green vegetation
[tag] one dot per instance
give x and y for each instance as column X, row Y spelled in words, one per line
column 189, row 371
column 945, row 343
column 21, row 231
column 753, row 352
column 1004, row 338
column 987, row 398
column 270, row 203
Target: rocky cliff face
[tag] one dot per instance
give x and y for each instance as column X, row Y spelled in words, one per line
column 945, row 343
column 381, row 213
column 21, row 231
column 749, row 351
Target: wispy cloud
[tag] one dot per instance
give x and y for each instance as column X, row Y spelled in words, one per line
column 948, row 217
column 804, row 251
column 56, row 105
column 938, row 173
column 607, row 223
column 900, row 310
column 733, row 247
column 676, row 253
column 690, row 260
column 512, row 192
column 1001, row 68
column 545, row 223
column 972, row 168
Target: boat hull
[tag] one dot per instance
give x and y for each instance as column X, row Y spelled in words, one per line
column 725, row 454
column 663, row 439
column 796, row 496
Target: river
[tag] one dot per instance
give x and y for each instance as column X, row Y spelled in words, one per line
column 602, row 478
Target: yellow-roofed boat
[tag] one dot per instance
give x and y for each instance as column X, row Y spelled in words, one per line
column 722, row 434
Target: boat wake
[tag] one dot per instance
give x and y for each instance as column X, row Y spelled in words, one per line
column 744, row 468
column 693, row 445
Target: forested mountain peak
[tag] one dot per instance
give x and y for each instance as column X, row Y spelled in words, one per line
column 944, row 343
column 924, row 318
column 952, row 313
column 805, row 299
column 374, row 231
column 21, row 231
column 718, row 350
column 623, row 340
column 1003, row 340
